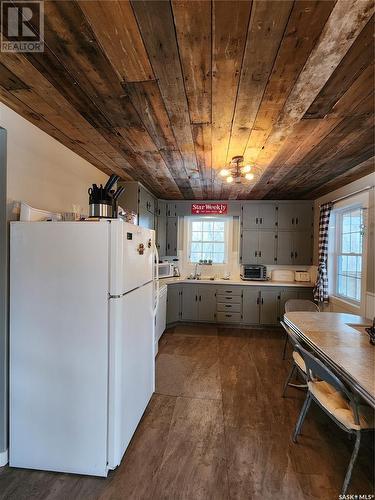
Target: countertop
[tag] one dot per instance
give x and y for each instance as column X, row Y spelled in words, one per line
column 238, row 281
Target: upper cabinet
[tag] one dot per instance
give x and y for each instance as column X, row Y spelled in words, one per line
column 139, row 200
column 294, row 216
column 259, row 216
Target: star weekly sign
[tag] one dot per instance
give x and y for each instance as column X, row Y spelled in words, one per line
column 209, row 208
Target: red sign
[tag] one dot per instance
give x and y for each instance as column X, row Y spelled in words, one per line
column 209, row 208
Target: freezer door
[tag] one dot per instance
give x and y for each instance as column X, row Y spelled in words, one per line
column 132, row 257
column 132, row 367
column 59, row 346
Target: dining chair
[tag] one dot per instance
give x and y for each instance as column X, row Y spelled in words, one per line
column 298, row 366
column 337, row 401
column 295, row 305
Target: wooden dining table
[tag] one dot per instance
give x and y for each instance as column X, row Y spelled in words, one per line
column 341, row 342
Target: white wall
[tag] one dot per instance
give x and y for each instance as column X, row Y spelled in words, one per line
column 41, row 171
column 368, row 305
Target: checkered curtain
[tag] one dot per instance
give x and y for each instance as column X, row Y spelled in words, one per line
column 321, row 285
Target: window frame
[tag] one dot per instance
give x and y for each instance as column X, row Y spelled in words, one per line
column 356, row 201
column 227, row 238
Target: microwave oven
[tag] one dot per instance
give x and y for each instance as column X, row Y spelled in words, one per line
column 253, row 272
column 166, row 269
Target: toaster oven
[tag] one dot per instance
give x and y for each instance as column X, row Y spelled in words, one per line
column 166, row 269
column 253, row 272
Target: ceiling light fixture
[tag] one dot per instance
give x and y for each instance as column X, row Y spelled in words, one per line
column 236, row 172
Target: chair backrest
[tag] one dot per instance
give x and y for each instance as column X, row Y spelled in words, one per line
column 315, row 369
column 292, row 305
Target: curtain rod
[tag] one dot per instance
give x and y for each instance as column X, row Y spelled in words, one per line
column 350, row 195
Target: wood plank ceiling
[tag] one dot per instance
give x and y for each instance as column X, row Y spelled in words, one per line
column 168, row 92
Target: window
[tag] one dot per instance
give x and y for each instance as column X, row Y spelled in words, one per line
column 208, row 239
column 348, row 253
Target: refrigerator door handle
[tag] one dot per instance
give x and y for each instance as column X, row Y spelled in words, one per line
column 156, row 278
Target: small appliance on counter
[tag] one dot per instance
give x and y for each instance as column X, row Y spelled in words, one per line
column 255, row 272
column 303, row 276
column 103, row 200
column 286, row 275
column 166, row 270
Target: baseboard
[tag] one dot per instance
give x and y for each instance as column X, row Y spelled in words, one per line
column 3, row 458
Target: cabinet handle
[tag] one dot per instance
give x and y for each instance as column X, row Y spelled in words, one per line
column 228, row 315
column 262, row 301
column 228, row 305
column 296, row 220
column 295, row 254
column 228, row 291
column 291, row 254
column 256, row 220
column 256, row 253
column 260, row 253
column 200, row 298
column 228, row 298
column 257, row 300
column 261, row 220
column 293, row 220
column 196, row 298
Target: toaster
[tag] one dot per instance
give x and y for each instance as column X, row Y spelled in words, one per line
column 301, row 276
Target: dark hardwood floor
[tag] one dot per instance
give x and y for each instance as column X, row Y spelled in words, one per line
column 217, row 428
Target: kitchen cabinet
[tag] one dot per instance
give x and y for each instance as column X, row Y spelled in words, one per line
column 161, row 228
column 259, row 246
column 171, row 210
column 174, row 303
column 198, row 303
column 259, row 216
column 171, row 239
column 269, row 306
column 294, row 248
column 295, row 216
column 138, row 199
column 250, row 305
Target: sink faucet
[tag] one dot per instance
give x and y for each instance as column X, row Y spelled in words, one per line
column 195, row 270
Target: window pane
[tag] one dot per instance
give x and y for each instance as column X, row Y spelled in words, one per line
column 196, row 236
column 195, row 257
column 351, row 288
column 218, row 247
column 196, row 225
column 346, row 223
column 196, row 247
column 208, row 236
column 342, row 284
column 207, row 247
column 355, row 223
column 219, row 236
column 356, row 242
column 218, row 258
column 346, row 243
column 219, row 225
column 208, row 225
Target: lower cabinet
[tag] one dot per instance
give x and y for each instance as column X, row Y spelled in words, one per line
column 174, row 304
column 198, row 303
column 248, row 305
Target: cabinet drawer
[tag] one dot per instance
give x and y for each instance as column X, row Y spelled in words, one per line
column 229, row 307
column 228, row 317
column 229, row 299
column 230, row 290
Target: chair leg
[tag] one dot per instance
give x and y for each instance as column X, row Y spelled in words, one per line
column 285, row 345
column 301, row 418
column 351, row 463
column 289, row 378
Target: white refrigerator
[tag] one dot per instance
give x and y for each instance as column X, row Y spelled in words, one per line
column 82, row 300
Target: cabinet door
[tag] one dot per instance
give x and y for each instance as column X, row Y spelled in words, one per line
column 302, row 248
column 171, row 236
column 145, row 218
column 267, row 247
column 250, row 246
column 171, row 210
column 250, row 305
column 189, row 303
column 269, row 307
column 250, row 216
column 285, row 250
column 286, row 294
column 161, row 234
column 173, row 303
column 267, row 216
column 286, row 216
column 306, row 294
column 303, row 217
column 207, row 303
